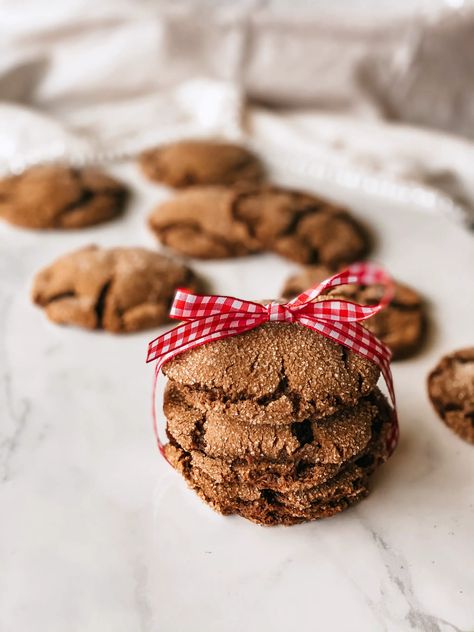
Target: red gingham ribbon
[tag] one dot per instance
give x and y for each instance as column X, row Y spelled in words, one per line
column 208, row 318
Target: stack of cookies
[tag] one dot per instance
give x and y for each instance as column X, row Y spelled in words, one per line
column 279, row 424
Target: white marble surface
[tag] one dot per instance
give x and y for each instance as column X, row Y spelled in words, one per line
column 98, row 534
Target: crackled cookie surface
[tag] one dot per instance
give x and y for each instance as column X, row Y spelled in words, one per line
column 292, row 473
column 278, row 497
column 333, row 439
column 56, row 196
column 284, row 372
column 190, row 163
column 269, row 507
column 118, row 289
column 451, row 390
column 214, row 222
column 401, row 325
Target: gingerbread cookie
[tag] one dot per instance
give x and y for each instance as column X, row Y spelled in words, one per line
column 292, row 474
column 216, row 222
column 276, row 373
column 188, row 163
column 401, row 325
column 267, row 506
column 451, row 390
column 334, row 439
column 56, row 196
column 118, row 289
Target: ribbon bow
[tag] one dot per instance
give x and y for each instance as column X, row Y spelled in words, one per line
column 208, row 318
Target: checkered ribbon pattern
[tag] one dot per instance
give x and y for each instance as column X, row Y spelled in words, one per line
column 209, row 318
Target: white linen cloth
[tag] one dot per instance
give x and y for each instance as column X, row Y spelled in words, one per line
column 86, row 81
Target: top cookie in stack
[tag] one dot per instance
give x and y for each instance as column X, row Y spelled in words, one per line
column 279, row 424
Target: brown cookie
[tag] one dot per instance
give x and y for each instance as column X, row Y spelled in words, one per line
column 451, row 390
column 269, row 507
column 286, row 369
column 202, row 223
column 334, row 439
column 291, row 474
column 401, row 325
column 118, row 289
column 216, row 222
column 189, row 163
column 57, row 196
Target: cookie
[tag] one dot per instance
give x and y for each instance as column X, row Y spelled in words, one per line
column 57, row 196
column 216, row 222
column 202, row 223
column 268, row 507
column 293, row 473
column 284, row 372
column 117, row 289
column 189, row 163
column 451, row 390
column 334, row 439
column 401, row 325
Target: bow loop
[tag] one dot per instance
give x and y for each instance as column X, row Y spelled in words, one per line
column 187, row 306
column 337, row 310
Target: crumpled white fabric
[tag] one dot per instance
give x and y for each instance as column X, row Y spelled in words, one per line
column 85, row 81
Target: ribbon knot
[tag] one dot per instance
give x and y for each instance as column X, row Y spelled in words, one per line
column 209, row 318
column 279, row 312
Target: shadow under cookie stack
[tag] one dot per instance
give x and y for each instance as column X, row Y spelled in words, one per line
column 279, row 424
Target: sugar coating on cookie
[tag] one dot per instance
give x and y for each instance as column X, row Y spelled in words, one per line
column 289, row 370
column 118, row 289
column 401, row 325
column 56, row 196
column 221, row 434
column 293, row 473
column 278, row 495
column 188, row 163
column 451, row 391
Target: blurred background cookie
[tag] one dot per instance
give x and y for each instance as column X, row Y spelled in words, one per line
column 194, row 162
column 56, row 196
column 451, row 391
column 118, row 289
column 401, row 325
column 215, row 222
